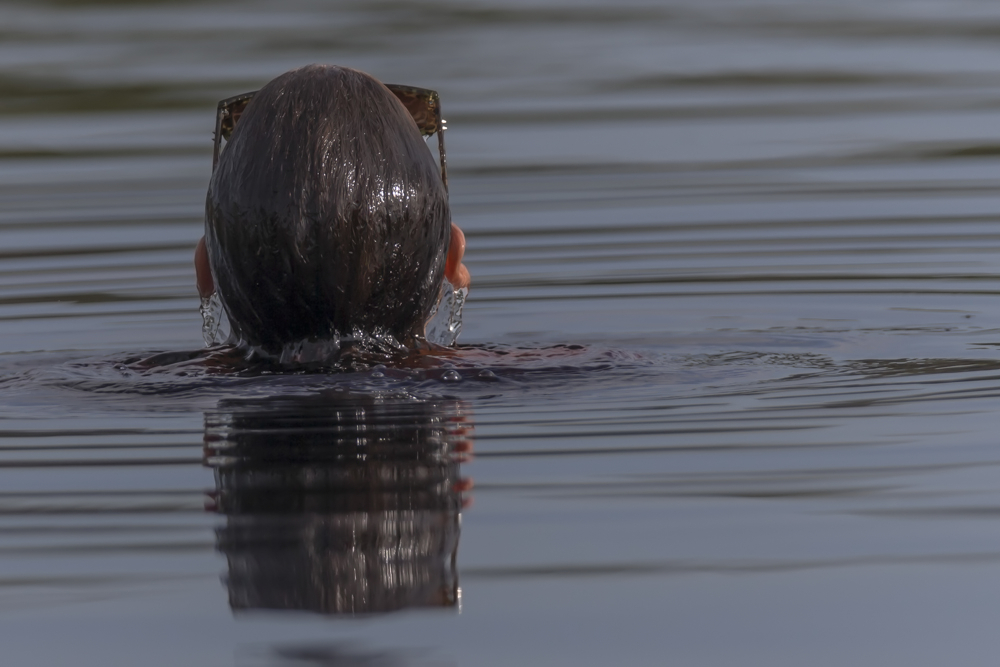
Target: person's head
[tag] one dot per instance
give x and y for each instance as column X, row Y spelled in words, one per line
column 326, row 213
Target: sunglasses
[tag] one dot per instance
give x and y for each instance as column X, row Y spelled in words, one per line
column 423, row 104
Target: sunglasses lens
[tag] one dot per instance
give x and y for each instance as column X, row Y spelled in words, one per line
column 231, row 115
column 422, row 104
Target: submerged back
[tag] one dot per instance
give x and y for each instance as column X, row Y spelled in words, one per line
column 326, row 213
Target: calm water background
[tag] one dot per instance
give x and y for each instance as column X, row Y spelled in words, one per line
column 771, row 226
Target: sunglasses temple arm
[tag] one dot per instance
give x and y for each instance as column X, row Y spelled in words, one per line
column 218, row 138
column 444, row 161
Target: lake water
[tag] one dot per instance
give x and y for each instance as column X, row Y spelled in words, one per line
column 736, row 284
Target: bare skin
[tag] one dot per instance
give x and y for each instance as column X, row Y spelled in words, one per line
column 455, row 271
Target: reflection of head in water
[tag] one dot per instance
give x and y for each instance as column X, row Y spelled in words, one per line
column 327, row 213
column 338, row 503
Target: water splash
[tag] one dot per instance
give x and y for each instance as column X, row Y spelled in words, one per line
column 454, row 326
column 443, row 328
column 445, row 323
column 211, row 319
column 356, row 350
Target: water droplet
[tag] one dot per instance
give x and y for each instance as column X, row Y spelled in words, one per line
column 378, row 374
column 452, row 376
column 487, row 374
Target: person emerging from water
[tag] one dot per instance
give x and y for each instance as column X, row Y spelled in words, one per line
column 327, row 216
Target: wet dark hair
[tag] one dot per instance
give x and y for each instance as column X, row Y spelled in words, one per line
column 326, row 214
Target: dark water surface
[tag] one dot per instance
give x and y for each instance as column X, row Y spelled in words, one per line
column 732, row 365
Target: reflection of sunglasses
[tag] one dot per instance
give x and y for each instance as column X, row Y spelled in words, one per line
column 424, row 105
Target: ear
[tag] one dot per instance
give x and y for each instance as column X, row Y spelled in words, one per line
column 203, row 271
column 454, row 270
